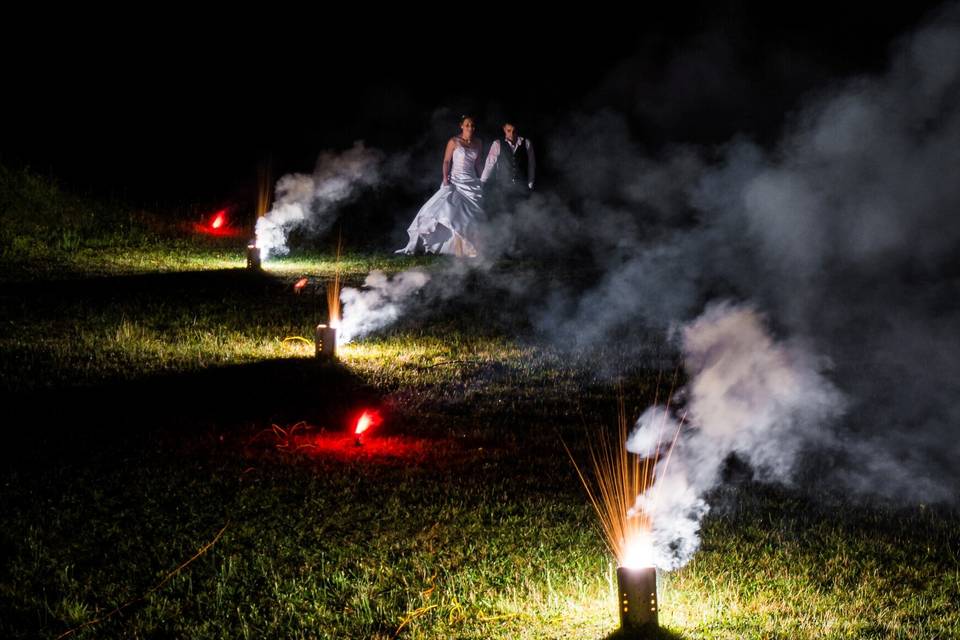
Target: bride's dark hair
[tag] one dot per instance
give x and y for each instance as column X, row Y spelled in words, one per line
column 464, row 117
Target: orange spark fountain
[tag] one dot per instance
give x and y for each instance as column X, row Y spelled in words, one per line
column 263, row 205
column 333, row 300
column 327, row 333
column 263, row 188
column 619, row 477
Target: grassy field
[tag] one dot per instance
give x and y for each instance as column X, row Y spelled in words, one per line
column 172, row 454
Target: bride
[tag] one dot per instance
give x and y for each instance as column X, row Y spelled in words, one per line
column 447, row 223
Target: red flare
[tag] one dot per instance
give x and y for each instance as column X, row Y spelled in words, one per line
column 299, row 285
column 219, row 218
column 367, row 419
column 217, row 225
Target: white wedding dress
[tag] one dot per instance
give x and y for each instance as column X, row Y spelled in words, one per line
column 448, row 222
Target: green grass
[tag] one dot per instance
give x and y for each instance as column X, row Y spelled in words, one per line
column 464, row 520
column 46, row 232
column 180, row 255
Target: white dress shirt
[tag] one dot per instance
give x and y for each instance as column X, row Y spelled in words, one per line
column 494, row 154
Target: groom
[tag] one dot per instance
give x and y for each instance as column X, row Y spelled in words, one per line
column 512, row 166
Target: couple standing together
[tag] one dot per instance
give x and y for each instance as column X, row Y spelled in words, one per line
column 449, row 221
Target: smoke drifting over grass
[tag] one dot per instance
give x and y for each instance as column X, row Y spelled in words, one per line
column 846, row 235
column 767, row 402
column 837, row 244
column 379, row 303
column 310, row 201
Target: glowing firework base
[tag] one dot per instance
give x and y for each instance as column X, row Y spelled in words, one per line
column 253, row 257
column 326, row 341
column 637, row 601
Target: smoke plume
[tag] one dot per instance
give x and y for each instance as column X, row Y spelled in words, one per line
column 310, row 201
column 379, row 303
column 846, row 235
column 765, row 401
column 837, row 245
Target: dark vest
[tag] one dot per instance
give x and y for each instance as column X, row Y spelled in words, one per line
column 512, row 166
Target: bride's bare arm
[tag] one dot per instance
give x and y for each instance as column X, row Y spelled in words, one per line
column 448, row 160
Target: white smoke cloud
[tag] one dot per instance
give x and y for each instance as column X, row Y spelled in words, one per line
column 845, row 233
column 311, row 200
column 379, row 303
column 766, row 401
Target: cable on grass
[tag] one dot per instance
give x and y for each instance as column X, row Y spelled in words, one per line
column 413, row 615
column 456, row 614
column 445, row 362
column 284, row 439
column 151, row 591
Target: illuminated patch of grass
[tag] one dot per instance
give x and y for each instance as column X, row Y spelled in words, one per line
column 340, row 551
column 489, row 537
column 173, row 256
column 482, row 547
column 46, row 232
column 351, row 265
column 784, row 564
column 191, row 256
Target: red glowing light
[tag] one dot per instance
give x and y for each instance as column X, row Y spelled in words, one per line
column 218, row 225
column 299, row 285
column 219, row 218
column 367, row 419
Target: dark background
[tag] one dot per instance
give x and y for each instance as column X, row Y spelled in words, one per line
column 165, row 111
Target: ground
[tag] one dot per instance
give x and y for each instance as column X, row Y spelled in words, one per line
column 172, row 453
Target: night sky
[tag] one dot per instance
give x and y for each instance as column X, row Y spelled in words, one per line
column 186, row 114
